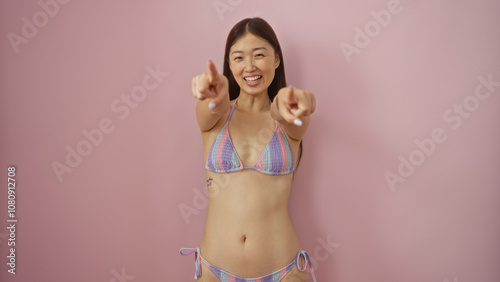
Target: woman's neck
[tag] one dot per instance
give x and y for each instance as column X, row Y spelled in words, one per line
column 254, row 103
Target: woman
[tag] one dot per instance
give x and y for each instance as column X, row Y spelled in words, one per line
column 252, row 127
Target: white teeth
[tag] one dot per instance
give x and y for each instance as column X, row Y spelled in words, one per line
column 253, row 78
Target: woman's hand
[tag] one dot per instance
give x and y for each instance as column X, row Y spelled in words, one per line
column 211, row 90
column 294, row 104
column 210, row 86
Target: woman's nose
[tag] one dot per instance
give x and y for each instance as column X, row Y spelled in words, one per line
column 249, row 65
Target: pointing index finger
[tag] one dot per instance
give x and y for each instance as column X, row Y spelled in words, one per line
column 212, row 71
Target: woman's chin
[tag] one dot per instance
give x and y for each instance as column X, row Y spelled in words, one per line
column 252, row 90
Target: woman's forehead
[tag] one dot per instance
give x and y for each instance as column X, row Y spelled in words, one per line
column 250, row 42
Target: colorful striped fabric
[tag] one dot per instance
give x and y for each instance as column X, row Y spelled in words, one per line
column 225, row 276
column 276, row 159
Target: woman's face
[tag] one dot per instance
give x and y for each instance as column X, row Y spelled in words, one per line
column 252, row 61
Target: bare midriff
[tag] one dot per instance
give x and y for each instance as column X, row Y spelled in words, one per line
column 248, row 230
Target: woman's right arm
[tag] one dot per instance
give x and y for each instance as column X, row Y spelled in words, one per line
column 211, row 90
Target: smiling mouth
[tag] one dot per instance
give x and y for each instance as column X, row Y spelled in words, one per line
column 253, row 78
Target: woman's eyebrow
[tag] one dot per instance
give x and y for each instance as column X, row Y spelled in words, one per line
column 253, row 50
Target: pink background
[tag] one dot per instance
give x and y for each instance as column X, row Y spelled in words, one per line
column 116, row 216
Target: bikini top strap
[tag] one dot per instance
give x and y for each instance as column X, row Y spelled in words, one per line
column 232, row 110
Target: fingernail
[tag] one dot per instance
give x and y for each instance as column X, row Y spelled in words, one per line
column 297, row 122
column 211, row 106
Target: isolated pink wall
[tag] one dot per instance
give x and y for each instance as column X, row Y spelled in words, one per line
column 116, row 216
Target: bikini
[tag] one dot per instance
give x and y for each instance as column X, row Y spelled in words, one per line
column 225, row 276
column 275, row 159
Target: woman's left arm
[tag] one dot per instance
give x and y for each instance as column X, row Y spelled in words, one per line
column 292, row 108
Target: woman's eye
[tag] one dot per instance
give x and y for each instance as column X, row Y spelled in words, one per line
column 238, row 58
column 260, row 55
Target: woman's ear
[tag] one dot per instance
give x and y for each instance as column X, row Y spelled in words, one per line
column 277, row 61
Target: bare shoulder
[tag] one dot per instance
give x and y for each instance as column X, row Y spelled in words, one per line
column 209, row 135
column 209, row 117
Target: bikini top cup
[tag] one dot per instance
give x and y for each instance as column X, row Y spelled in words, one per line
column 276, row 159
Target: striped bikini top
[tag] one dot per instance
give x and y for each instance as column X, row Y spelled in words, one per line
column 276, row 159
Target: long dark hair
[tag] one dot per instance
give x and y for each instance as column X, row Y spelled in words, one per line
column 262, row 29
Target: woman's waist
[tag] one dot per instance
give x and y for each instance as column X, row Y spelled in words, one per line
column 250, row 251
column 231, row 225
